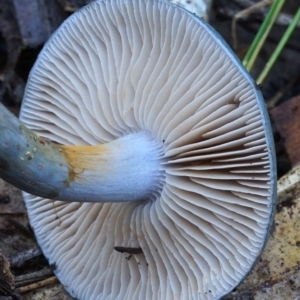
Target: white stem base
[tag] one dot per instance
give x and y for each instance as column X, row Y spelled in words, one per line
column 126, row 169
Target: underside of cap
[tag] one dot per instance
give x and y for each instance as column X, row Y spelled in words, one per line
column 120, row 67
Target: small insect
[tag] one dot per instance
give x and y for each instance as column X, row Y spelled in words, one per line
column 129, row 250
column 53, row 266
column 259, row 86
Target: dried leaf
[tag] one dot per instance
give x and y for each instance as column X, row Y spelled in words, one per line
column 287, row 121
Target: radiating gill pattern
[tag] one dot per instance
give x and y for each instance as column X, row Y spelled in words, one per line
column 119, row 67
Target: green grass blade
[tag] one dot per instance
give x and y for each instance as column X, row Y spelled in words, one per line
column 279, row 47
column 262, row 34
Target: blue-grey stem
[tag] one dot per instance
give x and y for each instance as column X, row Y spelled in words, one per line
column 126, row 169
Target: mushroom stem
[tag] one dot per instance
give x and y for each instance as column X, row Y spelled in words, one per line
column 126, row 169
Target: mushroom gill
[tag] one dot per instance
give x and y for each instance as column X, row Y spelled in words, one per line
column 134, row 68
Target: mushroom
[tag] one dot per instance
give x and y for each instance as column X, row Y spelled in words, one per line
column 174, row 159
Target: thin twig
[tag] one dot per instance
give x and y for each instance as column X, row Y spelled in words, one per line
column 273, row 101
column 9, row 213
column 247, row 11
column 34, row 277
column 283, row 19
column 244, row 3
column 34, row 286
column 18, row 259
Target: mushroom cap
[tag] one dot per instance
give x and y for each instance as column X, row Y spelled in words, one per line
column 120, row 67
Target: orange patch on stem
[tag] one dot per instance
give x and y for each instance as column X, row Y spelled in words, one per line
column 84, row 158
